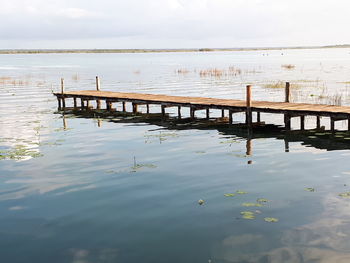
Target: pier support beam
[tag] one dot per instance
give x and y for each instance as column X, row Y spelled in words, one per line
column 124, row 107
column 230, row 120
column 59, row 103
column 318, row 122
column 75, row 103
column 134, row 107
column 179, row 112
column 349, row 124
column 222, row 113
column 192, row 112
column 249, row 104
column 147, row 108
column 302, row 123
column 332, row 124
column 163, row 111
column 258, row 117
column 98, row 102
column 287, row 122
column 207, row 113
column 62, row 92
column 82, row 103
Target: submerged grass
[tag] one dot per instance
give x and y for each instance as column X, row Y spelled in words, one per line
column 19, row 152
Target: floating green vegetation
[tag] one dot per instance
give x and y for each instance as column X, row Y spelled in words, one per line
column 19, row 152
column 345, row 195
column 252, row 205
column 262, row 200
column 240, row 192
column 229, row 195
column 248, row 215
column 140, row 166
column 271, row 219
column 309, row 189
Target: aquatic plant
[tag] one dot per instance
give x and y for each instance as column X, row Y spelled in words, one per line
column 240, row 192
column 19, row 152
column 248, row 215
column 229, row 195
column 271, row 219
column 309, row 189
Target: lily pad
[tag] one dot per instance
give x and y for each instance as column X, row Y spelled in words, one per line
column 247, row 215
column 229, row 195
column 309, row 189
column 252, row 205
column 271, row 219
column 241, row 192
column 345, row 195
column 262, row 200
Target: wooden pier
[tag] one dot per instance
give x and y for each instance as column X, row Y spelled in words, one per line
column 290, row 110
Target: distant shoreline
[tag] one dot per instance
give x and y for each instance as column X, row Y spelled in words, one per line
column 58, row 51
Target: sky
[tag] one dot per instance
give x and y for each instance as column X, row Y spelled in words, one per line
column 172, row 23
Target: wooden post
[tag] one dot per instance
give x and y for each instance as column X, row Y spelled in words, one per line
column 108, row 105
column 192, row 111
column 64, row 123
column 287, row 98
column 98, row 102
column 62, row 85
column 124, row 107
column 348, row 124
column 287, row 121
column 62, row 92
column 230, row 112
column 82, row 103
column 147, row 108
column 249, row 104
column 318, row 122
column 134, row 107
column 75, row 102
column 332, row 124
column 302, row 123
column 97, row 83
column 179, row 112
column 258, row 116
column 286, row 146
column 59, row 103
column 249, row 147
column 222, row 113
column 163, row 111
column 88, row 104
column 207, row 113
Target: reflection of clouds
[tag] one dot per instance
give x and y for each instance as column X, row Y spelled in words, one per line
column 44, row 185
column 324, row 240
column 103, row 255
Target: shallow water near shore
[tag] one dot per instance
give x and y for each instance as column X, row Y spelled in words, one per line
column 81, row 186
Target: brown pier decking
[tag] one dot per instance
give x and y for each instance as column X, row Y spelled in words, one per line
column 201, row 103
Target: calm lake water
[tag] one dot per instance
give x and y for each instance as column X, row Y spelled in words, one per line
column 89, row 187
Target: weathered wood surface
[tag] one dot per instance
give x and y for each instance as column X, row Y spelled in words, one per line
column 202, row 102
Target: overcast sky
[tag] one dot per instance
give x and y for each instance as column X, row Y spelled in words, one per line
column 172, row 23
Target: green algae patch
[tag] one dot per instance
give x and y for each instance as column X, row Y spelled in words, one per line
column 19, row 152
column 309, row 189
column 271, row 219
column 345, row 195
column 229, row 195
column 240, row 192
column 262, row 200
column 248, row 215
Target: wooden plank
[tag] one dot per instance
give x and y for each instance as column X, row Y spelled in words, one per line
column 198, row 102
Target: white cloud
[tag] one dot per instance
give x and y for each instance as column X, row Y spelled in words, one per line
column 176, row 23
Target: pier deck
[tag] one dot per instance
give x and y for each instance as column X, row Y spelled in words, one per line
column 248, row 106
